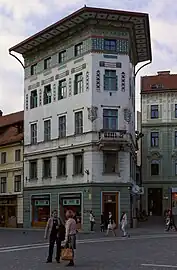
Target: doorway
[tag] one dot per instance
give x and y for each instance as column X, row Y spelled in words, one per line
column 110, row 204
column 155, row 201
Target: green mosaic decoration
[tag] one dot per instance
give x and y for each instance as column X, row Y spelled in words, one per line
column 98, row 43
column 122, row 46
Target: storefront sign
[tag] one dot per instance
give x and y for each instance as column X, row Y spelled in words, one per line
column 40, row 197
column 42, row 203
column 71, row 202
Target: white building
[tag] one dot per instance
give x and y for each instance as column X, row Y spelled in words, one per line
column 80, row 113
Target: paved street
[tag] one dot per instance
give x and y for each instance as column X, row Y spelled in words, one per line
column 143, row 252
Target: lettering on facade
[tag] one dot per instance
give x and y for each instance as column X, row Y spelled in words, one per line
column 77, row 69
column 92, row 113
column 62, row 75
column 47, row 81
column 110, row 64
column 33, row 86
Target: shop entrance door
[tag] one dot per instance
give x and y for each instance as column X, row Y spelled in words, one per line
column 3, row 216
column 110, row 204
column 155, row 201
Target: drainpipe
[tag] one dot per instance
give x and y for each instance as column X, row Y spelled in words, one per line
column 23, row 132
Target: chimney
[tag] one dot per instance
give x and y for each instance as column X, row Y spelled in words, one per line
column 1, row 113
column 167, row 72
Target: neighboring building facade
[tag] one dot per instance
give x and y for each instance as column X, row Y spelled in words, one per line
column 159, row 149
column 11, row 169
column 79, row 142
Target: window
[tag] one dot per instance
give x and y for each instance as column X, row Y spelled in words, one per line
column 61, row 166
column 34, row 133
column 3, row 185
column 62, row 126
column 17, row 155
column 154, row 111
column 78, row 84
column 62, row 57
column 155, row 167
column 47, row 130
column 110, row 119
column 175, row 110
column 33, row 69
column 110, row 45
column 176, row 168
column 110, row 162
column 17, row 183
column 3, row 157
column 175, row 138
column 47, row 94
column 33, row 169
column 62, row 89
column 78, row 49
column 79, row 122
column 47, row 63
column 154, row 139
column 110, row 80
column 78, row 164
column 47, row 168
column 33, row 99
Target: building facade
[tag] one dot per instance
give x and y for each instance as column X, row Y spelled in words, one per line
column 11, row 170
column 79, row 142
column 159, row 149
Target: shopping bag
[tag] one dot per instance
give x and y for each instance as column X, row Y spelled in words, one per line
column 114, row 226
column 66, row 254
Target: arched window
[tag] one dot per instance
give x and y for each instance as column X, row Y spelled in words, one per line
column 155, row 167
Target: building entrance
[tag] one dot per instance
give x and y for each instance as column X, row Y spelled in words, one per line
column 155, row 201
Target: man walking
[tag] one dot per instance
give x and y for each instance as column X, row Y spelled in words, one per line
column 54, row 234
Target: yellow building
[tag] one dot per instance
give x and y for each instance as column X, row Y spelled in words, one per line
column 11, row 169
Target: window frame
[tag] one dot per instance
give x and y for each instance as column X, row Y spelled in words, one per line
column 3, row 157
column 155, row 162
column 154, row 139
column 34, row 175
column 16, row 182
column 78, row 49
column 17, row 156
column 106, row 155
column 62, row 132
column 78, row 122
column 47, row 63
column 76, row 170
column 155, row 111
column 33, row 102
column 47, row 135
column 33, row 132
column 110, row 81
column 62, row 57
column 48, row 175
column 109, row 47
column 61, row 161
column 47, row 97
column 3, row 183
column 78, row 83
column 62, row 89
column 110, row 119
column 33, row 69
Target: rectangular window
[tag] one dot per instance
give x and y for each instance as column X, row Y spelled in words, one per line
column 175, row 110
column 47, row 94
column 61, row 166
column 3, row 158
column 33, row 169
column 175, row 138
column 78, row 49
column 47, row 63
column 110, row 119
column 154, row 111
column 79, row 122
column 154, row 139
column 110, row 80
column 62, row 56
column 33, row 99
column 62, row 89
column 155, row 167
column 33, row 69
column 78, row 164
column 17, row 183
column 176, row 168
column 34, row 133
column 110, row 45
column 47, row 130
column 110, row 162
column 62, row 126
column 78, row 84
column 3, row 185
column 47, row 168
column 17, row 155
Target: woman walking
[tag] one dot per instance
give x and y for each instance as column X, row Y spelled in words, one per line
column 123, row 222
column 111, row 225
column 92, row 220
column 70, row 236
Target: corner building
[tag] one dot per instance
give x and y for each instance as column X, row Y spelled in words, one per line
column 80, row 114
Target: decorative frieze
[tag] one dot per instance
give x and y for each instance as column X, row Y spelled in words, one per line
column 54, row 92
column 34, row 86
column 123, row 46
column 110, row 64
column 98, row 81
column 79, row 60
column 40, row 97
column 62, row 75
column 70, row 87
column 110, row 56
column 47, row 81
column 26, row 102
column 87, row 81
column 123, row 81
column 77, row 69
column 92, row 113
column 127, row 115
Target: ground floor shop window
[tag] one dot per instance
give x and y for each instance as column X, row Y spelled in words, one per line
column 8, row 212
column 174, row 201
column 71, row 202
column 40, row 210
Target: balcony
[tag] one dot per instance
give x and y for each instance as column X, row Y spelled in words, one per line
column 114, row 140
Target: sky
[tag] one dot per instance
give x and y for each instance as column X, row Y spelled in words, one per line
column 19, row 19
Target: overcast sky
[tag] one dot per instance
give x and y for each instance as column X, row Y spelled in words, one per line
column 20, row 19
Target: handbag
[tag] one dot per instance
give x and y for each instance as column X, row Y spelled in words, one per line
column 66, row 254
column 114, row 226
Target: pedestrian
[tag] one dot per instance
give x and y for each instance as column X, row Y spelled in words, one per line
column 92, row 220
column 55, row 233
column 123, row 223
column 111, row 225
column 102, row 224
column 170, row 221
column 70, row 235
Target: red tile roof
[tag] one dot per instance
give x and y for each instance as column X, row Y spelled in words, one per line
column 163, row 81
column 9, row 131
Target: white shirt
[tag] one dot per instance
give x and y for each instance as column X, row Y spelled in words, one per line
column 92, row 218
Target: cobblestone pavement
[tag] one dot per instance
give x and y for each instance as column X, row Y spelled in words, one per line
column 148, row 252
